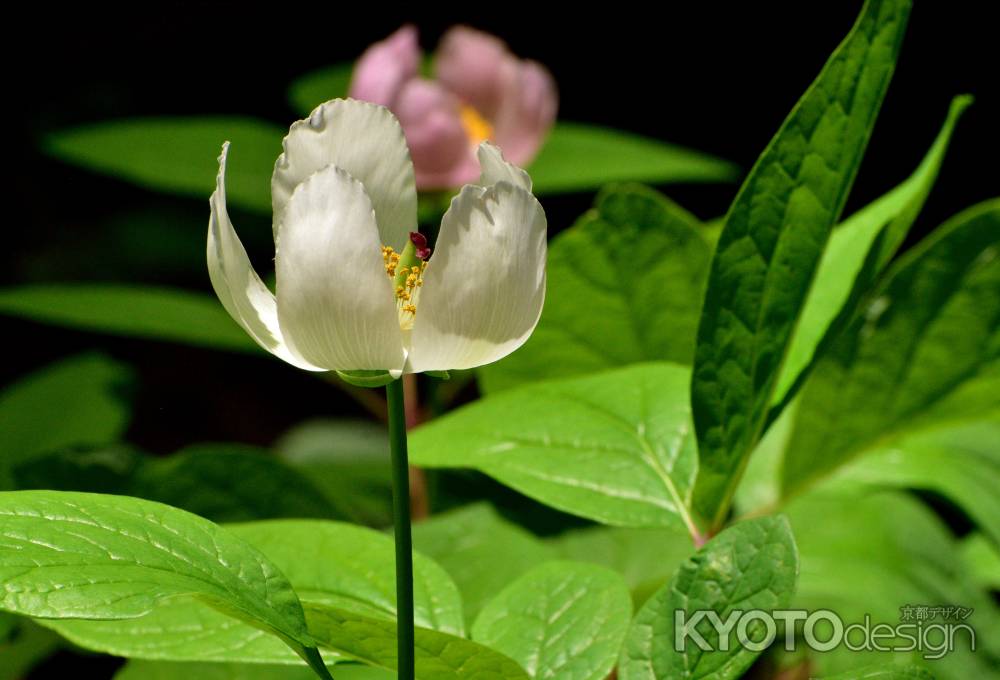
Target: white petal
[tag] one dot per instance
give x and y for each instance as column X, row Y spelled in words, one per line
column 485, row 283
column 241, row 291
column 366, row 141
column 495, row 169
column 335, row 302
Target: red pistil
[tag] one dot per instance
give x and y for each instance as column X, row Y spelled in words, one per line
column 419, row 241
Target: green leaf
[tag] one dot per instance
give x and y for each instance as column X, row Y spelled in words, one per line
column 230, row 483
column 353, row 568
column 166, row 670
column 562, row 620
column 771, row 245
column 624, row 285
column 77, row 402
column 877, row 229
column 614, row 447
column 982, row 558
column 349, row 461
column 482, row 551
column 178, row 155
column 327, row 563
column 884, row 672
column 579, row 157
column 87, row 556
column 961, row 464
column 309, row 91
column 439, row 656
column 867, row 554
column 132, row 311
column 925, row 352
column 645, row 558
column 751, row 565
column 179, row 630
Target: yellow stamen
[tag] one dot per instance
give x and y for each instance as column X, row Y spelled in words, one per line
column 477, row 128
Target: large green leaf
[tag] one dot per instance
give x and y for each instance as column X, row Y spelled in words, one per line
column 77, row 402
column 876, row 230
column 579, row 157
column 961, row 464
column 563, row 620
column 926, row 351
column 178, row 155
column 87, row 556
column 646, row 558
column 133, row 311
column 771, row 245
column 439, row 656
column 867, row 555
column 353, row 569
column 167, row 670
column 614, row 447
column 327, row 563
column 624, row 285
column 482, row 551
column 180, row 630
column 749, row 566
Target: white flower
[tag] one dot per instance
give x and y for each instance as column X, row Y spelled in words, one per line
column 344, row 206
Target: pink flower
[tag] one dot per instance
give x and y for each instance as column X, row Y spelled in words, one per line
column 480, row 92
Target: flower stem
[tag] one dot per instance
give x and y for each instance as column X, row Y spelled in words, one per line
column 401, row 528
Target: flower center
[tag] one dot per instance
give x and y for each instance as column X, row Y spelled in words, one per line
column 406, row 269
column 477, row 128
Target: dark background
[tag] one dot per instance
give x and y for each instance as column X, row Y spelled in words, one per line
column 719, row 77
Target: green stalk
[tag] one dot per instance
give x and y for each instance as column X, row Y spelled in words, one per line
column 401, row 528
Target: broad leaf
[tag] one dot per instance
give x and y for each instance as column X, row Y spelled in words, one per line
column 614, row 447
column 180, row 630
column 77, row 402
column 132, row 311
column 353, row 569
column 579, row 157
column 961, row 464
column 86, row 556
column 749, row 566
column 562, row 620
column 624, row 285
column 178, row 155
column 646, row 558
column 926, row 351
column 876, row 230
column 482, row 551
column 771, row 245
column 326, row 562
column 166, row 670
column 439, row 656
